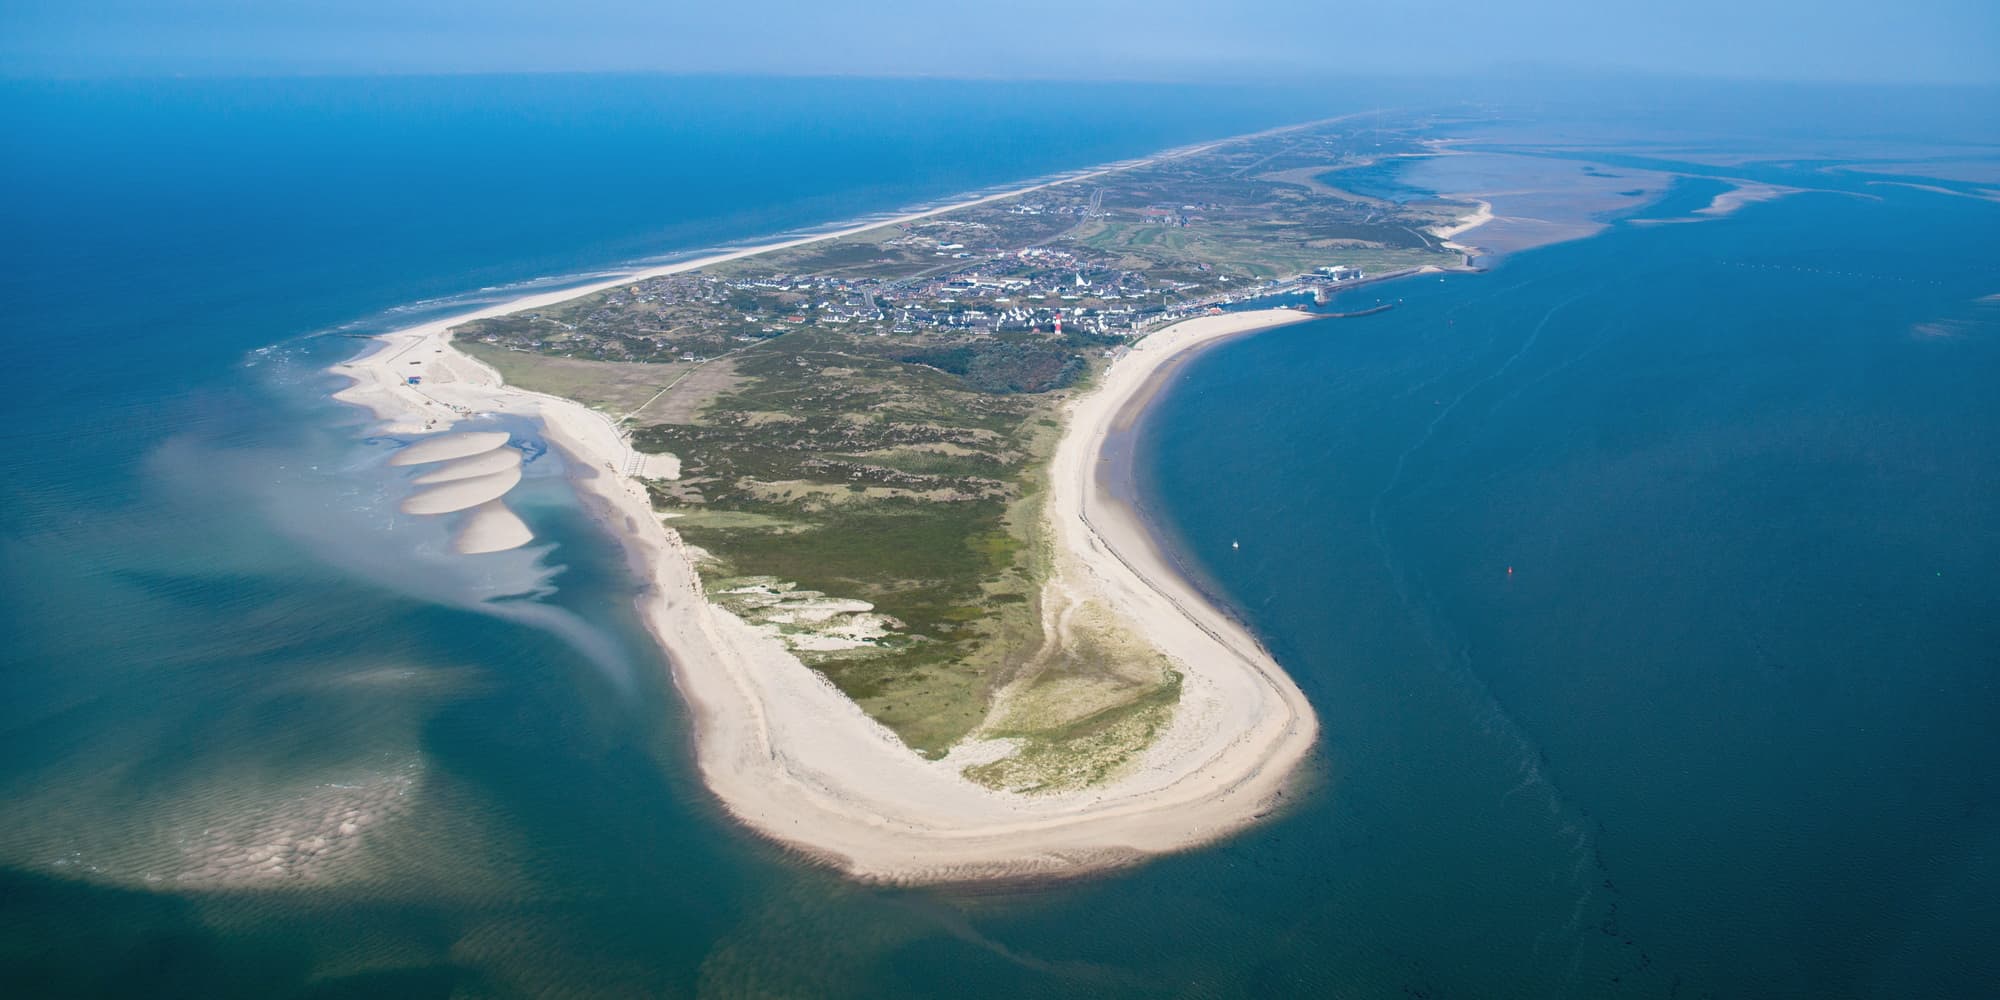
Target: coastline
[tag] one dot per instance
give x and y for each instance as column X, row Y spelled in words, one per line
column 1481, row 214
column 794, row 759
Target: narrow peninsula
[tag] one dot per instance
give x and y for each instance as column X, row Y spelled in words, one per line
column 860, row 476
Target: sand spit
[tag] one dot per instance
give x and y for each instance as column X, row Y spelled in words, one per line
column 491, row 527
column 798, row 762
column 446, row 447
column 462, row 494
column 1481, row 214
column 794, row 759
column 486, row 463
column 1744, row 193
column 1977, row 194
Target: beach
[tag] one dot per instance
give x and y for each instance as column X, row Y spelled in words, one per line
column 795, row 760
column 1481, row 214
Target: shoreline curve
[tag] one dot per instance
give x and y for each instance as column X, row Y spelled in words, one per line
column 792, row 758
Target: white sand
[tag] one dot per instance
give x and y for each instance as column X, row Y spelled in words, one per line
column 1977, row 194
column 482, row 464
column 1744, row 193
column 795, row 760
column 491, row 527
column 446, row 447
column 1481, row 214
column 462, row 494
column 476, row 469
column 658, row 467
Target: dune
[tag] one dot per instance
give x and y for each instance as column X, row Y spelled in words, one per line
column 491, row 527
column 462, row 494
column 446, row 447
column 483, row 464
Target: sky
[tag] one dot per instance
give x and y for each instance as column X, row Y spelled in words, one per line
column 1899, row 41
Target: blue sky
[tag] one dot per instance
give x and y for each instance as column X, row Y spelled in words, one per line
column 1919, row 41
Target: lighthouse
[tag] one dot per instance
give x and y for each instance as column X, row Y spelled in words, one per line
column 1058, row 322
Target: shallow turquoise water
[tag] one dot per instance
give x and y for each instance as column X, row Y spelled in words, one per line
column 1724, row 731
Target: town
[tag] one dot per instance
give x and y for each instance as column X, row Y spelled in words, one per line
column 1110, row 257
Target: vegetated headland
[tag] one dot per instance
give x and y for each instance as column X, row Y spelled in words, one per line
column 859, row 475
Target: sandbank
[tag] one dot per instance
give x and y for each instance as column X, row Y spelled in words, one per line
column 491, row 527
column 1744, row 193
column 484, row 463
column 462, row 494
column 1481, row 214
column 446, row 447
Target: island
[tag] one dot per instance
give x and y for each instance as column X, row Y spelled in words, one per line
column 860, row 476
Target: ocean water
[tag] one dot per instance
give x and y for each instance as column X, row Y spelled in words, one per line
column 1725, row 729
column 1644, row 585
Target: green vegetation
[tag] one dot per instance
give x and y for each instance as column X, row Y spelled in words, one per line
column 863, row 423
column 887, row 482
column 1084, row 709
column 1084, row 752
column 1003, row 364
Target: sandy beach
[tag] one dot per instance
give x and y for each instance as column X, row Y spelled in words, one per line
column 1481, row 214
column 794, row 759
column 791, row 757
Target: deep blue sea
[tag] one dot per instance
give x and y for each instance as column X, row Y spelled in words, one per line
column 1644, row 583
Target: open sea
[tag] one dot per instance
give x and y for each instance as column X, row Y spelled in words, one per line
column 1644, row 583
